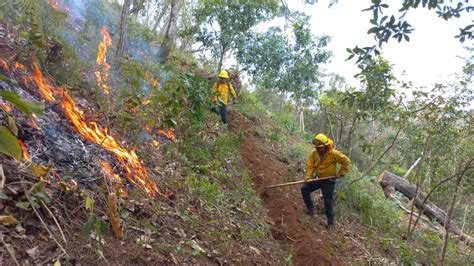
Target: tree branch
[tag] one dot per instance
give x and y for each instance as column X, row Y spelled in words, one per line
column 377, row 161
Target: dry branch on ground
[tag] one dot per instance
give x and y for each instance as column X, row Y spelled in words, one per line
column 391, row 183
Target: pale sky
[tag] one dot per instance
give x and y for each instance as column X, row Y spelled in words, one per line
column 432, row 55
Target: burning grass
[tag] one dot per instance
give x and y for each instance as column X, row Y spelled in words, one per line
column 44, row 85
column 168, row 134
column 54, row 4
column 5, row 106
column 131, row 165
column 25, row 155
column 173, row 230
column 102, row 72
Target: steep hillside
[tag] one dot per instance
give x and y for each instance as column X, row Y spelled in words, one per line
column 75, row 193
column 111, row 151
column 307, row 238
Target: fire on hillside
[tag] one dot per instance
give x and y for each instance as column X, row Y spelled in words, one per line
column 56, row 138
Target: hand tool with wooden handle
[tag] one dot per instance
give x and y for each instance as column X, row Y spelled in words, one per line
column 302, row 181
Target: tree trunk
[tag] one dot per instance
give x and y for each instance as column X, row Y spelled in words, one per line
column 449, row 222
column 329, row 122
column 170, row 32
column 282, row 100
column 391, row 183
column 221, row 59
column 349, row 135
column 301, row 116
column 159, row 17
column 341, row 133
column 185, row 43
column 123, row 29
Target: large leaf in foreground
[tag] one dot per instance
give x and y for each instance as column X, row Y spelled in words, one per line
column 28, row 108
column 9, row 144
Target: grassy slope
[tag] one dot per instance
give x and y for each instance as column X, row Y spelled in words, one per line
column 363, row 202
column 209, row 211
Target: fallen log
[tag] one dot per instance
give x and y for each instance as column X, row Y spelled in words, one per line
column 391, row 183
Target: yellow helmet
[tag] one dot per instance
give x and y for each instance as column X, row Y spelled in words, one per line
column 321, row 140
column 223, row 74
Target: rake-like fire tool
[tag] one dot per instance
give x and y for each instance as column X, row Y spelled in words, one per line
column 302, row 181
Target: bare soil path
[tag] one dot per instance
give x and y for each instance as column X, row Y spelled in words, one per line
column 305, row 237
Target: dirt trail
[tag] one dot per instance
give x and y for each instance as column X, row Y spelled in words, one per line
column 306, row 237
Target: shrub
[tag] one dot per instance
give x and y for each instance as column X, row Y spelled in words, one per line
column 367, row 199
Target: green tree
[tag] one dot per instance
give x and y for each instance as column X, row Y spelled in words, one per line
column 123, row 28
column 288, row 65
column 221, row 24
column 377, row 90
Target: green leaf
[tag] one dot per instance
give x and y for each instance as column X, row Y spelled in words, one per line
column 43, row 196
column 124, row 215
column 342, row 195
column 12, row 126
column 26, row 107
column 87, row 229
column 25, row 205
column 89, row 203
column 99, row 227
column 372, row 30
column 4, row 196
column 19, row 229
column 9, row 144
column 2, row 77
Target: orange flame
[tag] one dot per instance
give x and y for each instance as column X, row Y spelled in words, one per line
column 25, row 155
column 102, row 75
column 45, row 86
column 54, row 4
column 153, row 81
column 168, row 134
column 20, row 66
column 5, row 106
column 91, row 131
column 56, row 174
column 33, row 122
column 136, row 173
column 4, row 65
column 59, row 7
column 155, row 143
column 148, row 128
column 108, row 170
column 115, row 178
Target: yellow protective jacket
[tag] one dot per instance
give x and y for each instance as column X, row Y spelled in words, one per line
column 222, row 91
column 326, row 166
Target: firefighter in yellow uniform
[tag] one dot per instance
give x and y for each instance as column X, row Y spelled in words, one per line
column 323, row 161
column 220, row 95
